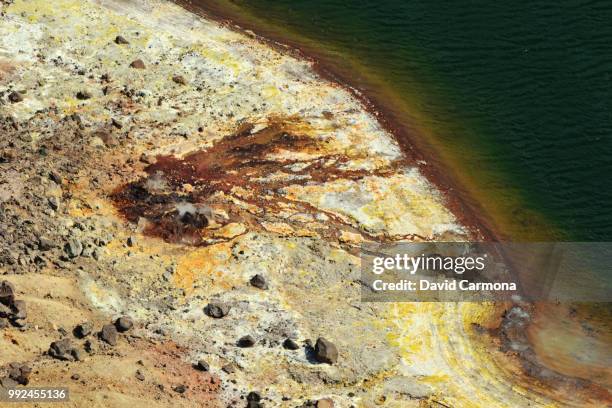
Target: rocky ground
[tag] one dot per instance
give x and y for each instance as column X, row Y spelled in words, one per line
column 181, row 209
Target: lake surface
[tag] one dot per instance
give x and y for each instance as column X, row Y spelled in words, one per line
column 515, row 98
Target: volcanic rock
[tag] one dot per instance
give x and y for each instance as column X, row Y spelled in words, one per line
column 325, row 351
column 19, row 373
column 121, row 40
column 217, row 309
column 45, row 244
column 137, row 64
column 259, row 282
column 15, row 97
column 124, row 323
column 180, row 389
column 202, row 365
column 179, row 79
column 290, row 344
column 62, row 350
column 82, row 95
column 7, row 293
column 254, row 396
column 5, row 311
column 83, row 330
column 73, row 248
column 246, row 341
column 109, row 334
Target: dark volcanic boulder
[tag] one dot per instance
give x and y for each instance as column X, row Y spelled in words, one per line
column 217, row 309
column 124, row 323
column 137, row 64
column 259, row 282
column 19, row 373
column 121, row 40
column 109, row 334
column 246, row 341
column 290, row 344
column 7, row 293
column 83, row 330
column 62, row 350
column 325, row 351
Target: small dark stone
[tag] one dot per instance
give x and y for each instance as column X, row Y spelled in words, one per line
column 259, row 282
column 73, row 248
column 217, row 309
column 20, row 373
column 82, row 95
column 19, row 310
column 5, row 311
column 179, row 79
column 325, row 351
column 121, row 40
column 124, row 323
column 180, row 389
column 229, row 368
column 75, row 377
column 254, row 396
column 109, row 334
column 83, row 330
column 61, row 349
column 246, row 341
column 45, row 244
column 15, row 97
column 89, row 346
column 139, row 375
column 202, row 365
column 290, row 344
column 137, row 64
column 7, row 293
column 131, row 241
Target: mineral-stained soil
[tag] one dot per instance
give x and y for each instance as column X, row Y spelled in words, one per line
column 159, row 167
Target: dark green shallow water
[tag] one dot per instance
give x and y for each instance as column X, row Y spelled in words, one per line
column 519, row 94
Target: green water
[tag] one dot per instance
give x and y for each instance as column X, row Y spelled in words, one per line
column 519, row 96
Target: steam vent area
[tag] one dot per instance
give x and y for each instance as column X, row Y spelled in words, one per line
column 181, row 211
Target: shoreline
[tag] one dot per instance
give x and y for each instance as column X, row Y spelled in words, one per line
column 467, row 210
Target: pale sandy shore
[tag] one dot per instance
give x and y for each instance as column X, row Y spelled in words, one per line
column 292, row 174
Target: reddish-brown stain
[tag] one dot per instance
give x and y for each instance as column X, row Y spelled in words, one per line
column 212, row 175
